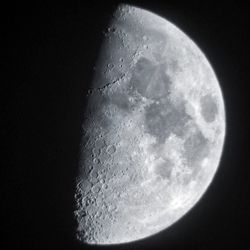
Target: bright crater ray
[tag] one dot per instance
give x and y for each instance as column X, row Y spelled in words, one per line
column 153, row 131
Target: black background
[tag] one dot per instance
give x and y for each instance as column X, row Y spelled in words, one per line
column 47, row 58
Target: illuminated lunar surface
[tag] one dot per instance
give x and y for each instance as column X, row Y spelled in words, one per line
column 153, row 131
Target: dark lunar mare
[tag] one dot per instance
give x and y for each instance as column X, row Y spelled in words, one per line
column 209, row 108
column 162, row 119
column 150, row 80
column 196, row 148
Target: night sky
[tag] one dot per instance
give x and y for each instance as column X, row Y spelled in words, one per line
column 47, row 57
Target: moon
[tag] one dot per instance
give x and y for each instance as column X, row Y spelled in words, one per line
column 153, row 131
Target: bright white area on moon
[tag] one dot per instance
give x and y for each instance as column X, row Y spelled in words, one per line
column 153, row 131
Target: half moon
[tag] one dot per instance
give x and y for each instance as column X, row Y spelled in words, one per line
column 153, row 131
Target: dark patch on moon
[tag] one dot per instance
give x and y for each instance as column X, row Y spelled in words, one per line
column 162, row 119
column 164, row 169
column 157, row 40
column 209, row 108
column 150, row 80
column 159, row 86
column 196, row 149
column 141, row 76
column 121, row 101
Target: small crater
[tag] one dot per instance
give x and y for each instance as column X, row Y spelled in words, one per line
column 96, row 161
column 111, row 29
column 89, row 201
column 98, row 214
column 110, row 65
column 96, row 189
column 94, row 175
column 103, row 171
column 78, row 196
column 90, row 92
column 102, row 181
column 111, row 149
column 96, row 152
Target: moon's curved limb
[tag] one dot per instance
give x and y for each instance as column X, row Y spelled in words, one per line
column 153, row 132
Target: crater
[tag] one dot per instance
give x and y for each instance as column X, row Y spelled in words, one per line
column 209, row 108
column 111, row 149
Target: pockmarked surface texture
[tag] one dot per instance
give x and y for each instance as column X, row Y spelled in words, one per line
column 153, row 131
